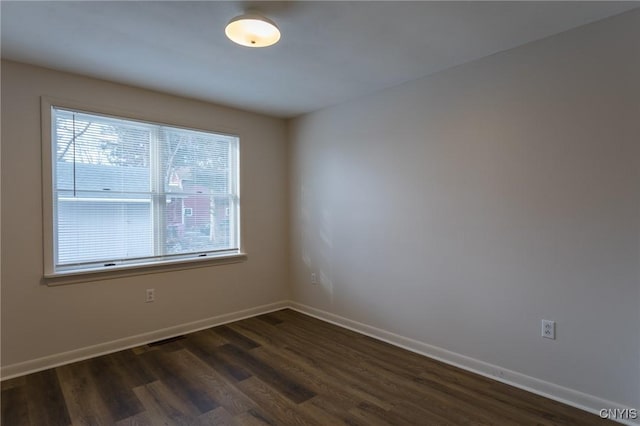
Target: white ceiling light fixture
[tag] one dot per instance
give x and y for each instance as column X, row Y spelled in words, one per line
column 252, row 30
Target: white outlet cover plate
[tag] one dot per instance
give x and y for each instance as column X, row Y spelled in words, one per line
column 549, row 329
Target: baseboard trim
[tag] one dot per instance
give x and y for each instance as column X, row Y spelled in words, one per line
column 574, row 398
column 51, row 361
column 549, row 390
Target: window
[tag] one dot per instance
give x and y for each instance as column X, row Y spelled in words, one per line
column 128, row 193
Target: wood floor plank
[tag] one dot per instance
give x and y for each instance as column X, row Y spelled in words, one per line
column 275, row 404
column 217, row 417
column 374, row 415
column 134, row 371
column 254, row 417
column 326, row 405
column 45, row 399
column 269, row 319
column 235, row 338
column 328, row 373
column 15, row 382
column 113, row 383
column 175, row 374
column 275, row 378
column 322, row 411
column 15, row 406
column 140, row 419
column 210, row 336
column 83, row 400
column 282, row 368
column 255, row 333
column 161, row 403
column 201, row 346
column 311, row 380
column 217, row 387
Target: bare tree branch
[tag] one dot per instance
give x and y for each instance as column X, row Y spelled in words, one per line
column 170, row 162
column 71, row 139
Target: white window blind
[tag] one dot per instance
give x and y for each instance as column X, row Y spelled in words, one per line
column 128, row 192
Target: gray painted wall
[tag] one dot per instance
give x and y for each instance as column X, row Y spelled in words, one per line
column 461, row 209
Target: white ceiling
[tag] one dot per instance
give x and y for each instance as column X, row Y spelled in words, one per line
column 330, row 52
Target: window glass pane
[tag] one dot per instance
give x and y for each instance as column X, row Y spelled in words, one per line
column 196, row 223
column 93, row 229
column 127, row 191
column 195, row 162
column 99, row 153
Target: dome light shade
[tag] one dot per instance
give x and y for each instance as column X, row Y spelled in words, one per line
column 252, row 30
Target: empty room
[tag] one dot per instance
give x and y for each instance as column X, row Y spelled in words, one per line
column 320, row 213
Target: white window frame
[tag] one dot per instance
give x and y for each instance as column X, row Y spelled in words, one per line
column 53, row 277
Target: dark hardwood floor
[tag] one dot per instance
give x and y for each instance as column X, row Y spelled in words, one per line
column 282, row 368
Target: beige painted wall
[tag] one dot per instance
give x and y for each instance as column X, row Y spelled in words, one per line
column 38, row 320
column 461, row 209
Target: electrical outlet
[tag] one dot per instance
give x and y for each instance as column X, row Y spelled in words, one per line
column 549, row 329
column 150, row 295
column 314, row 278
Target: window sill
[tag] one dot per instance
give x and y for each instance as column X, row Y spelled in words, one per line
column 74, row 277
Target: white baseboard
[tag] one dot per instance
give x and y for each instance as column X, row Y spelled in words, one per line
column 549, row 390
column 39, row 364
